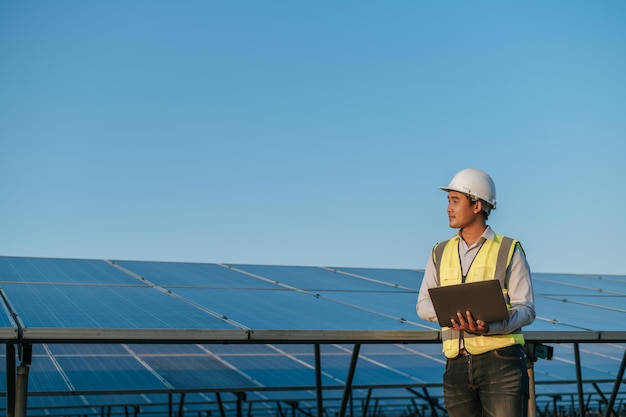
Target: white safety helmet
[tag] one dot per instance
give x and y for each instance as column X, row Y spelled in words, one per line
column 475, row 183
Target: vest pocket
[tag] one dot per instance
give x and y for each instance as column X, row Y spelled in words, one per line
column 449, row 276
column 482, row 273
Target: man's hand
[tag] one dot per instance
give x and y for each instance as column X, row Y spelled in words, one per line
column 468, row 324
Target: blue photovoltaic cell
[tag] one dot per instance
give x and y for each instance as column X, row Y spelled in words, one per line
column 600, row 302
column 304, row 398
column 78, row 349
column 550, row 328
column 312, row 278
column 393, row 304
column 286, row 310
column 121, row 399
column 166, row 349
column 63, row 402
column 77, row 271
column 548, row 288
column 305, row 350
column 598, row 361
column 406, row 365
column 581, row 316
column 277, row 370
column 424, row 362
column 189, row 372
column 610, row 283
column 48, row 306
column 45, row 377
column 407, row 278
column 243, row 349
column 174, row 274
column 109, row 373
column 400, row 370
column 7, row 325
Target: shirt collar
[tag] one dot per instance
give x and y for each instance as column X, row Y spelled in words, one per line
column 488, row 234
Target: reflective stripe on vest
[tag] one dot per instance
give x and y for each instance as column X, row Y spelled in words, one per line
column 491, row 262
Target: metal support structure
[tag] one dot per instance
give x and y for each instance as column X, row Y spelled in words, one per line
column 181, row 405
column 241, row 397
column 432, row 402
column 618, row 381
column 17, row 379
column 318, row 381
column 603, row 399
column 351, row 404
column 579, row 380
column 220, row 404
column 21, row 394
column 10, row 376
column 534, row 351
column 555, row 404
column 347, row 393
column 532, row 399
column 375, row 411
column 279, row 409
column 416, row 409
column 295, row 406
column 366, row 404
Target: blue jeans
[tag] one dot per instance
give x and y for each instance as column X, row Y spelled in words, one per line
column 494, row 384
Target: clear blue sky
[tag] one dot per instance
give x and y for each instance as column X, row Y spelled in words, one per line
column 310, row 133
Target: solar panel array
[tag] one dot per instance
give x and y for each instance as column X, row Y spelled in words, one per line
column 160, row 338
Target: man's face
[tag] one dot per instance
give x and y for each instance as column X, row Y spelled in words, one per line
column 461, row 212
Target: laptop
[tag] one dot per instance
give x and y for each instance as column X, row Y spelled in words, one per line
column 483, row 298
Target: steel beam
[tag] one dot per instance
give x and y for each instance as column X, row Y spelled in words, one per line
column 318, row 381
column 579, row 380
column 348, row 388
column 10, row 376
column 618, row 381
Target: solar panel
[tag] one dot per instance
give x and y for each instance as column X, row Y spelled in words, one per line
column 178, row 274
column 406, row 278
column 593, row 283
column 110, row 373
column 583, row 313
column 134, row 328
column 106, row 307
column 313, row 279
column 77, row 271
column 287, row 310
column 8, row 327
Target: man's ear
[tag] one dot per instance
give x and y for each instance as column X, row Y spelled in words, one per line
column 478, row 206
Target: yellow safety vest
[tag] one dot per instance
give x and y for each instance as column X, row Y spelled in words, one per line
column 491, row 262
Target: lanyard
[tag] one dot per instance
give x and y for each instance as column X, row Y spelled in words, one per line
column 464, row 274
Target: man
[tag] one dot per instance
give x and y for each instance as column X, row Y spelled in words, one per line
column 486, row 371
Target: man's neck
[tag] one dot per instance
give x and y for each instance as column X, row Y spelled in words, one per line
column 472, row 233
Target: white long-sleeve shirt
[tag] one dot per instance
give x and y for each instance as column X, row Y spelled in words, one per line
column 520, row 293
